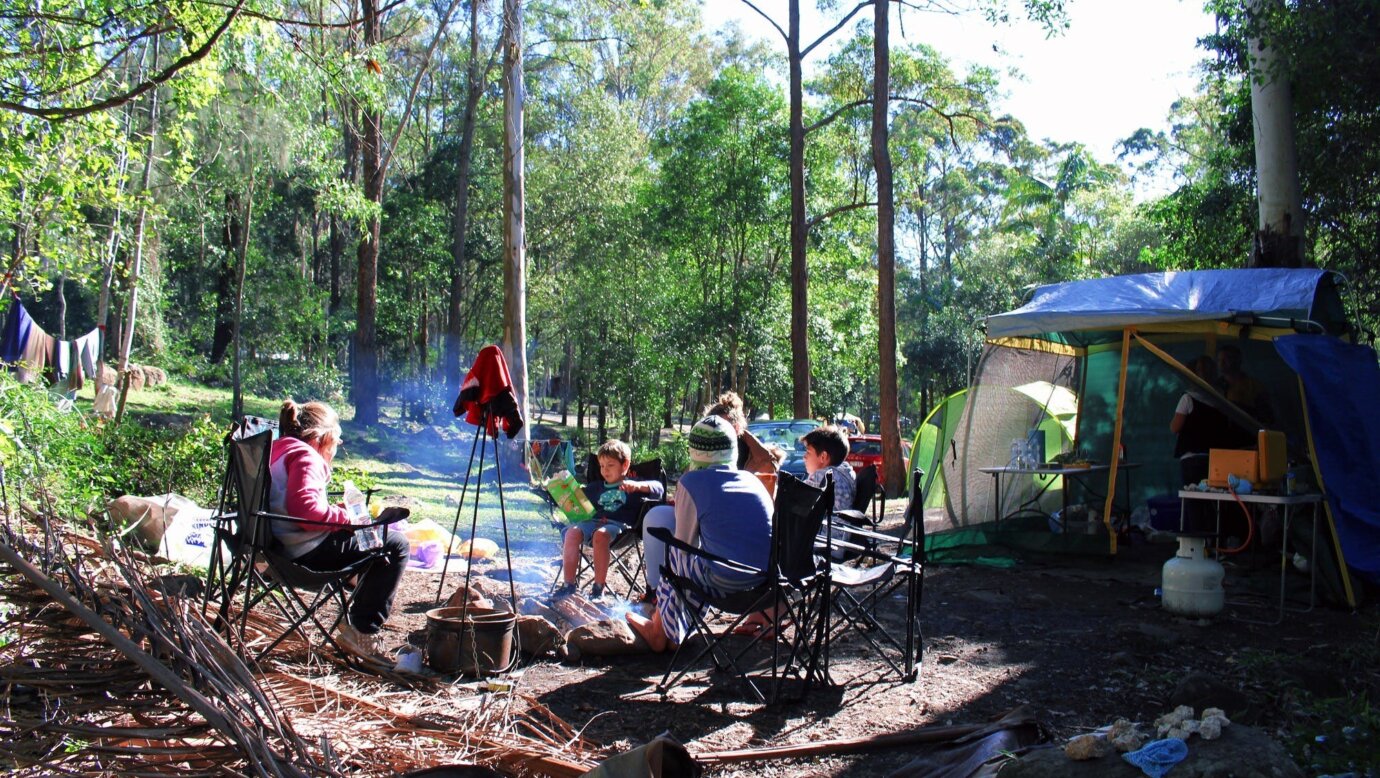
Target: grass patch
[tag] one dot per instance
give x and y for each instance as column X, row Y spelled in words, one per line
column 416, row 466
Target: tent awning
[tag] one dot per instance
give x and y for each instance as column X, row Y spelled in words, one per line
column 1171, row 297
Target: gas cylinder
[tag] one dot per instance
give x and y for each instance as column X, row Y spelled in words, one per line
column 1192, row 583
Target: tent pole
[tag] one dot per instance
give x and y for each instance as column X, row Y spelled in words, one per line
column 1116, row 441
column 1326, row 504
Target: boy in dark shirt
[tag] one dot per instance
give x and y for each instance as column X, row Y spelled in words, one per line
column 617, row 502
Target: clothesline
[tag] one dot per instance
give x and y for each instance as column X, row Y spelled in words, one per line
column 32, row 351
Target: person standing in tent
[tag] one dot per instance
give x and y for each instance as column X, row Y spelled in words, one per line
column 1200, row 426
column 1244, row 391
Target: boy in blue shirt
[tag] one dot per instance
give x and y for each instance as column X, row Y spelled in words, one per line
column 617, row 502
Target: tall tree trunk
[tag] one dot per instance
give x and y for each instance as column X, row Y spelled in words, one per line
column 365, row 380
column 242, row 265
column 223, row 332
column 890, row 413
column 137, row 259
column 62, row 306
column 514, row 240
column 567, row 379
column 800, row 276
column 474, row 87
column 1279, row 241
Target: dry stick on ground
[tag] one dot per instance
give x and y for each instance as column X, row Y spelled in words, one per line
column 918, row 736
column 515, row 752
column 259, row 756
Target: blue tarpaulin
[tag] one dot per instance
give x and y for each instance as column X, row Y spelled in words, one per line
column 1342, row 384
column 1154, row 298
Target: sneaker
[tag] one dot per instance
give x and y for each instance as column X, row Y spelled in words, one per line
column 564, row 590
column 596, row 591
column 357, row 642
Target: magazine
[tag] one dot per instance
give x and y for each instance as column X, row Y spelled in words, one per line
column 569, row 494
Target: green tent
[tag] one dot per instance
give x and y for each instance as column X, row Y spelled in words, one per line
column 1041, row 405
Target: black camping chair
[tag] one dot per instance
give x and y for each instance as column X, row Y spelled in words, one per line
column 880, row 565
column 249, row 556
column 855, row 517
column 625, row 553
column 794, row 584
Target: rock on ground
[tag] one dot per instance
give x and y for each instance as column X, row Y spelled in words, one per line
column 1241, row 752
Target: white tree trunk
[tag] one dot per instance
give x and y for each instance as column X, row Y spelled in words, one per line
column 514, row 241
column 1280, row 239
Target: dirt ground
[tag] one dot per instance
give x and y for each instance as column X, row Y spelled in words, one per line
column 1081, row 641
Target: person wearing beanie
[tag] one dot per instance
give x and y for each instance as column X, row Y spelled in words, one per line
column 723, row 510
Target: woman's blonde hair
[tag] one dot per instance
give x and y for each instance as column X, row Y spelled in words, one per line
column 729, row 406
column 308, row 422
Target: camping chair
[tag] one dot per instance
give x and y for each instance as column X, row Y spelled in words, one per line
column 625, row 554
column 794, row 584
column 880, row 566
column 855, row 517
column 255, row 560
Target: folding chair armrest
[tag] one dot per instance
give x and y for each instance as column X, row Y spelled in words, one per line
column 379, row 522
column 665, row 535
column 858, row 516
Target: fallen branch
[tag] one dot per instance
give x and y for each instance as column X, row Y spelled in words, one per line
column 265, row 762
column 920, row 736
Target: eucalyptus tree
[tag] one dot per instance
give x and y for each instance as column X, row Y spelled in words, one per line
column 715, row 213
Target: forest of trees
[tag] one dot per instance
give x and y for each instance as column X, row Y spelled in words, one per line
column 329, row 175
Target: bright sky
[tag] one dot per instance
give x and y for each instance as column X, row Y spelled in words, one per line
column 1118, row 67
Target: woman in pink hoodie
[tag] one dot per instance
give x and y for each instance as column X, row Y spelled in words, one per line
column 299, row 468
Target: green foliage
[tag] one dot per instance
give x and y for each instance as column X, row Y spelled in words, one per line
column 673, row 453
column 147, row 461
column 75, row 463
column 364, row 480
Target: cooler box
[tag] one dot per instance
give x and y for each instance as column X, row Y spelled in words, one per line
column 1164, row 516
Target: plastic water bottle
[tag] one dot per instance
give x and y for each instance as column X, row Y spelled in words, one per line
column 357, row 508
column 1016, row 454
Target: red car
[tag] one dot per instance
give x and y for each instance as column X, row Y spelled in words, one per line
column 864, row 450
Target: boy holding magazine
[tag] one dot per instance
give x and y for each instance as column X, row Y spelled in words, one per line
column 617, row 502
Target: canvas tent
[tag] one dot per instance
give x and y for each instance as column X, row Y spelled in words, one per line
column 1121, row 346
column 1051, row 409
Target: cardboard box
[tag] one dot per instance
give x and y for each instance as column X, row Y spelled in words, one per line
column 1274, row 460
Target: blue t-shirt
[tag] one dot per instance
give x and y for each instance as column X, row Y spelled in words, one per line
column 614, row 504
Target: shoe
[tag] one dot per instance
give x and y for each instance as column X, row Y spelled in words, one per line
column 596, row 591
column 357, row 642
column 563, row 591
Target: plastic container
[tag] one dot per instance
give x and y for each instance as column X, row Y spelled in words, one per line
column 357, row 507
column 1035, row 447
column 1165, row 510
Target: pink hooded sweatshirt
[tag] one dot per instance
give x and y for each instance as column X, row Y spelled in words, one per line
column 297, row 487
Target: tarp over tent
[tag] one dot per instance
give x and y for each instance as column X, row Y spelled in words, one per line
column 1121, row 345
column 1093, row 310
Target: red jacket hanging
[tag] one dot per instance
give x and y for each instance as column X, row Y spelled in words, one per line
column 487, row 387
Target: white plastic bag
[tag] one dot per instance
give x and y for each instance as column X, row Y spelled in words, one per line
column 189, row 536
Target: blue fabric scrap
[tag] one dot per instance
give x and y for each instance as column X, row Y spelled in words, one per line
column 1158, row 756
